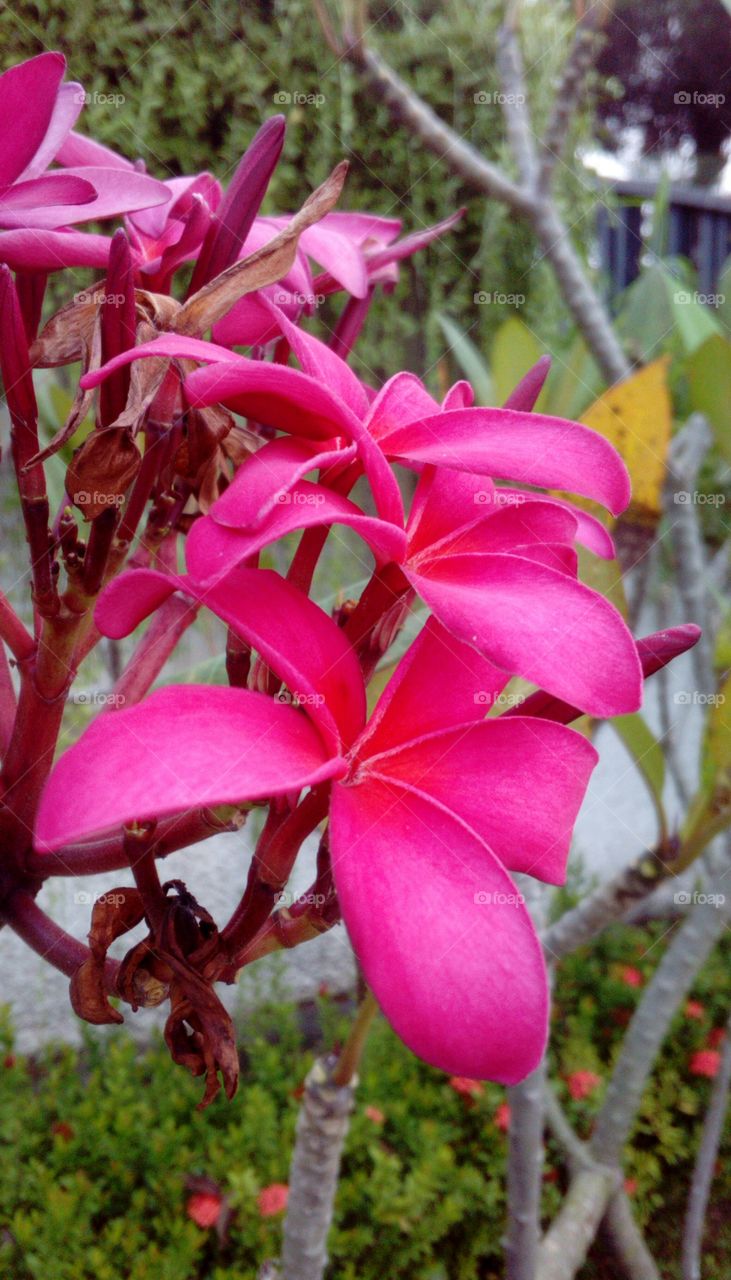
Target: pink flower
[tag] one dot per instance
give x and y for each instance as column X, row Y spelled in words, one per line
column 630, row 1186
column 631, row 977
column 502, row 1117
column 375, row 1115
column 581, row 1084
column 705, row 1063
column 716, row 1037
column 469, row 1088
column 460, row 974
column 204, row 1207
column 273, row 1199
column 37, row 206
column 496, row 567
column 694, row 1009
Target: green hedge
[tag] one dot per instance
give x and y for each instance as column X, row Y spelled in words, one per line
column 198, row 79
column 98, row 1147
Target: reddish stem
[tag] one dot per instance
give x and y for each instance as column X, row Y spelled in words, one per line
column 98, row 856
column 51, row 942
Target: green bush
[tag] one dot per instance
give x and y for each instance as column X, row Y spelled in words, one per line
column 98, row 1146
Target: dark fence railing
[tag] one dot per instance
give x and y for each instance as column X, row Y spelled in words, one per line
column 699, row 228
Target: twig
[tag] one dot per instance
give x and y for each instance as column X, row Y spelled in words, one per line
column 689, row 449
column 628, row 1241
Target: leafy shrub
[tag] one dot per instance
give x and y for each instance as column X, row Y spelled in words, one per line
column 99, row 1145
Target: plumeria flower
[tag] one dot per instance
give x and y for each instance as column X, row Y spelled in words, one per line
column 38, row 204
column 421, row 863
column 458, row 969
column 357, row 251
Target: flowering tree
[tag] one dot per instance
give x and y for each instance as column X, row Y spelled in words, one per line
column 466, row 771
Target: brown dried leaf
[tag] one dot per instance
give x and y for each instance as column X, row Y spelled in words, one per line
column 67, row 336
column 88, row 994
column 264, row 267
column 115, row 913
column 101, row 471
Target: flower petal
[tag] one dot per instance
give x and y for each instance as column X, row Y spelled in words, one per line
column 517, row 782
column 540, row 624
column 300, row 643
column 27, row 101
column 213, row 549
column 441, row 932
column 183, row 747
column 461, row 686
column 32, row 249
column 527, row 447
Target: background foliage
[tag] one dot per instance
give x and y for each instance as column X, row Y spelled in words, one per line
column 198, row 79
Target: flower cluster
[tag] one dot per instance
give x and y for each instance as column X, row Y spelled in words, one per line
column 435, row 796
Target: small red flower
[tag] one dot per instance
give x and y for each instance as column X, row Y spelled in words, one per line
column 62, row 1130
column 716, row 1037
column 323, row 990
column 630, row 1186
column 9, row 1060
column 705, row 1063
column 204, row 1207
column 502, row 1117
column 630, row 976
column 469, row 1088
column 273, row 1199
column 694, row 1009
column 376, row 1115
column 582, row 1083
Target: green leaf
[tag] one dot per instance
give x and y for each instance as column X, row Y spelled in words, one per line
column 694, row 320
column 646, row 752
column 514, row 351
column 469, row 359
column 709, row 376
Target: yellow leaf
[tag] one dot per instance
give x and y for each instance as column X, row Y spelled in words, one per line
column 636, row 415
